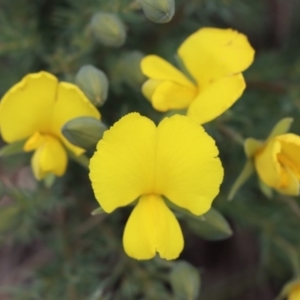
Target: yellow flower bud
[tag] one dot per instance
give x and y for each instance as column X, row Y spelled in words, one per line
column 158, row 11
column 94, row 83
column 108, row 29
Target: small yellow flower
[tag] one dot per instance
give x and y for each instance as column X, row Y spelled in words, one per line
column 294, row 294
column 136, row 160
column 35, row 109
column 215, row 59
column 278, row 163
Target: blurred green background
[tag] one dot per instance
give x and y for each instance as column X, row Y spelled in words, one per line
column 51, row 246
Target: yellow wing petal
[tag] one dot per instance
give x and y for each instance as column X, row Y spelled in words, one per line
column 50, row 157
column 188, row 171
column 152, row 228
column 27, row 106
column 216, row 98
column 122, row 167
column 70, row 103
column 157, row 68
column 170, row 95
column 267, row 165
column 211, row 53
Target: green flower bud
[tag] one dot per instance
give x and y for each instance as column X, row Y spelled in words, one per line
column 84, row 132
column 158, row 11
column 108, row 29
column 185, row 281
column 94, row 83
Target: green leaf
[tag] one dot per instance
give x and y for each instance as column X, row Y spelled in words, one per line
column 84, row 132
column 283, row 126
column 185, row 281
column 12, row 149
column 211, row 226
column 242, row 178
column 97, row 211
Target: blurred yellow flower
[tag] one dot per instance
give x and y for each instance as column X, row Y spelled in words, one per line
column 136, row 160
column 278, row 163
column 35, row 109
column 294, row 293
column 214, row 58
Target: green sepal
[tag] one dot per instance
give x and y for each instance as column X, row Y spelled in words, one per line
column 265, row 189
column 242, row 178
column 185, row 281
column 211, row 226
column 251, row 146
column 84, row 132
column 97, row 211
column 282, row 127
column 49, row 180
column 158, row 11
column 287, row 288
column 13, row 148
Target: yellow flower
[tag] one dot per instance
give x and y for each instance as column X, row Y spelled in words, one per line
column 294, row 294
column 277, row 163
column 136, row 160
column 35, row 109
column 214, row 59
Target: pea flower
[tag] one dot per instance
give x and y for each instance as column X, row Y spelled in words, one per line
column 136, row 160
column 276, row 161
column 294, row 293
column 35, row 109
column 214, row 59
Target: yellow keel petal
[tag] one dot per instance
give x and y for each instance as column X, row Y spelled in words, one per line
column 152, row 228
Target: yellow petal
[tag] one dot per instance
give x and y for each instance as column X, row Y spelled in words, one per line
column 157, row 68
column 50, row 157
column 149, row 88
column 216, row 98
column 294, row 293
column 152, row 228
column 211, row 53
column 170, row 95
column 35, row 141
column 289, row 183
column 290, row 152
column 188, row 171
column 122, row 168
column 70, row 103
column 267, row 165
column 27, row 106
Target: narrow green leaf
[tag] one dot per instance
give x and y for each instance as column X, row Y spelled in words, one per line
column 283, row 126
column 242, row 178
column 84, row 132
column 12, row 149
column 185, row 281
column 211, row 226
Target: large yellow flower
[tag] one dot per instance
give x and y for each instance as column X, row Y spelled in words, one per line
column 35, row 109
column 136, row 160
column 278, row 163
column 214, row 59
